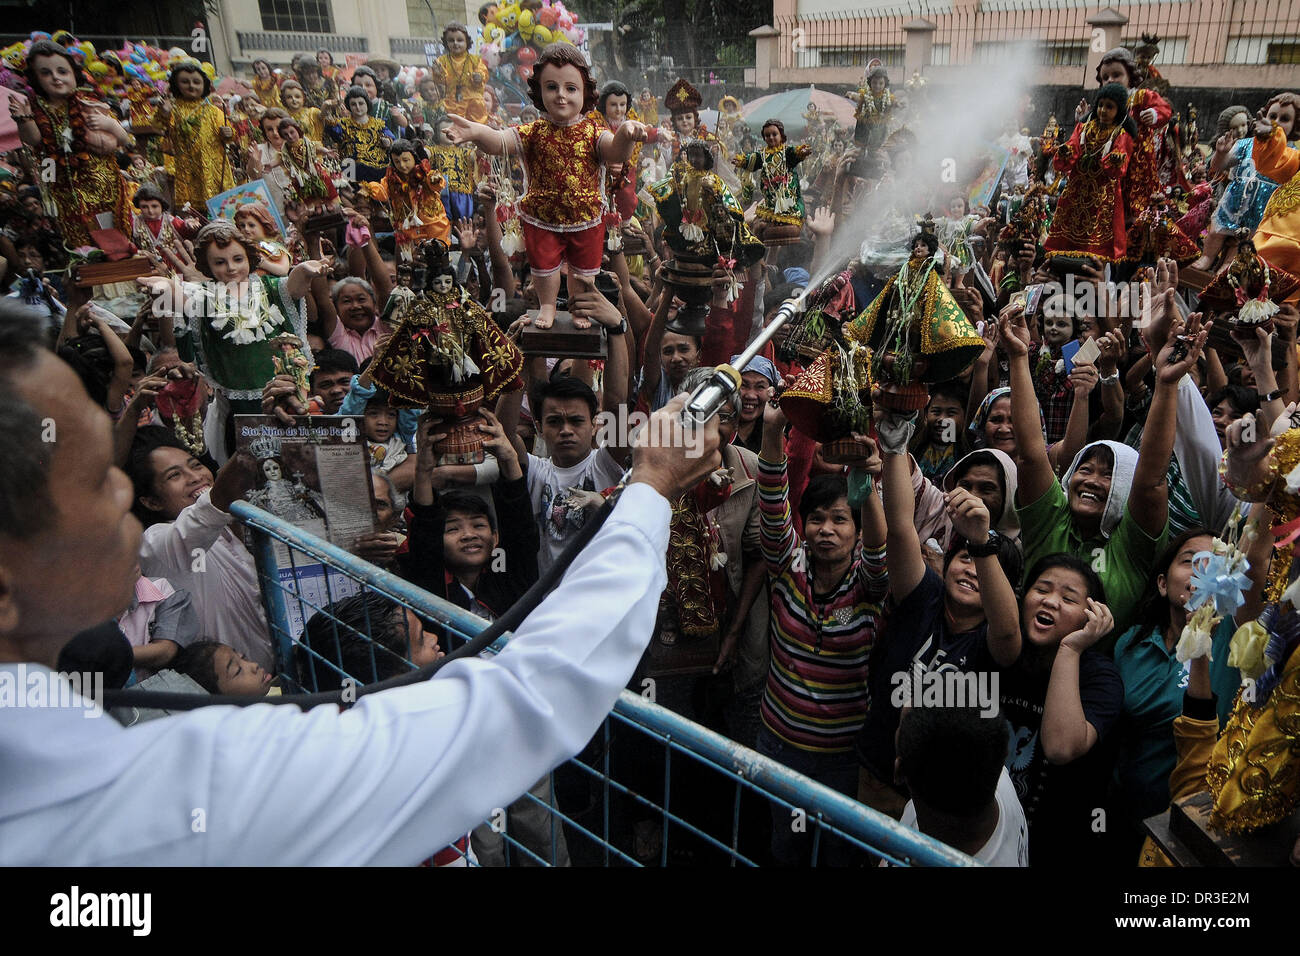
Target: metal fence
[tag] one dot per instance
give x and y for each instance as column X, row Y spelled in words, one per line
column 1192, row 32
column 690, row 795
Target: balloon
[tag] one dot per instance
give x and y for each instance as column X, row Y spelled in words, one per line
column 527, row 56
column 493, row 35
column 209, row 70
column 524, row 71
column 526, row 24
column 573, row 36
column 547, row 15
column 565, row 21
column 491, row 55
column 542, row 36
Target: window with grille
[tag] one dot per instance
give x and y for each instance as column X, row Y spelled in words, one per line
column 296, row 16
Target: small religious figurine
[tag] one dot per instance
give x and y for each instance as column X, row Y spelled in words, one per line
column 256, row 224
column 325, row 60
column 620, row 178
column 1151, row 114
column 309, row 118
column 780, row 213
column 730, row 113
column 317, row 90
column 875, row 106
column 1247, row 192
column 413, row 192
column 266, row 84
column 426, row 106
column 463, row 75
column 647, row 105
column 69, row 126
column 446, row 354
column 705, row 228
column 153, row 228
column 917, row 332
column 1089, row 220
column 954, row 232
column 361, row 137
column 309, row 181
column 1250, row 289
column 1156, row 235
column 563, row 209
column 1278, row 235
column 195, row 133
column 289, row 359
column 458, row 167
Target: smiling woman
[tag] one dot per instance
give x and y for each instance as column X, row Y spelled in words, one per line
column 189, row 541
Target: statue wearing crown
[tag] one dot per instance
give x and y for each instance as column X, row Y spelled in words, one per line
column 445, row 354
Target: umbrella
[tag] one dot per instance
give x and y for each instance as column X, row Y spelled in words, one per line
column 229, row 86
column 790, row 106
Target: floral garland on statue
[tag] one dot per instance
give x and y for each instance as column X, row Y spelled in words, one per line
column 250, row 318
column 512, row 237
column 868, row 109
column 303, row 172
column 1218, row 588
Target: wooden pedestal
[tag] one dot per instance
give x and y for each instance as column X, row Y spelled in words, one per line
column 91, row 274
column 1184, row 834
column 562, row 339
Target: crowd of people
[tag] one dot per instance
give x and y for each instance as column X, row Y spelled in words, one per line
column 1040, row 443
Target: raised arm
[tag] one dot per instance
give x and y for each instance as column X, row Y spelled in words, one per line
column 1035, row 471
column 494, row 142
column 1149, row 498
column 902, row 544
column 1067, row 732
column 970, row 519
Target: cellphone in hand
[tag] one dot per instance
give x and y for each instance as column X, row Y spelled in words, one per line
column 1033, row 299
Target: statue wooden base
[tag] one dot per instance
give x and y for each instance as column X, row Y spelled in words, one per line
column 562, row 339
column 1195, row 279
column 1221, row 340
column 1185, row 836
column 90, row 274
column 323, row 222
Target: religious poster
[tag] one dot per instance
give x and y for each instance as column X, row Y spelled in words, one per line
column 225, row 205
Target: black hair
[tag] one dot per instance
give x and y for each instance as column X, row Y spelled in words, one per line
column 1009, row 556
column 198, row 662
column 353, row 93
column 564, row 387
column 100, row 649
column 365, row 636
column 334, row 360
column 26, row 505
column 400, row 146
column 1121, row 55
column 187, row 66
column 1115, row 93
column 931, row 242
column 773, row 122
column 1098, row 451
column 1070, row 563
column 379, row 399
column 822, row 492
column 612, row 88
column 140, row 470
column 466, row 502
column 777, row 294
column 952, row 757
column 90, row 359
column 1241, row 398
column 1153, row 614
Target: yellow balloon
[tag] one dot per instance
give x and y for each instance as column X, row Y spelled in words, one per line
column 209, row 70
column 493, row 34
column 543, row 35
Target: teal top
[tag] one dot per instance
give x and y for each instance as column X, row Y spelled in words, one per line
column 1154, row 684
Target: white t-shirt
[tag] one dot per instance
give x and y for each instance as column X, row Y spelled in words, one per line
column 1009, row 843
column 548, row 487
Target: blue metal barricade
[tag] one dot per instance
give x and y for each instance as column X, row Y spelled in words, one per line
column 651, row 788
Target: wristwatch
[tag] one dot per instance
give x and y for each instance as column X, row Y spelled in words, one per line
column 987, row 549
column 1109, row 379
column 620, row 329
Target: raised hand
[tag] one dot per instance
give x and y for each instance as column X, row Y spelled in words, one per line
column 968, row 514
column 1083, row 379
column 1185, row 345
column 1099, row 622
column 1015, row 336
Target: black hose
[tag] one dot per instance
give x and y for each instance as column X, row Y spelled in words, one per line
column 163, row 700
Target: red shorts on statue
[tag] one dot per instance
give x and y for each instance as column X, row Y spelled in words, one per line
column 582, row 250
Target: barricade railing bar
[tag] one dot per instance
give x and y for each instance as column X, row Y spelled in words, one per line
column 645, row 764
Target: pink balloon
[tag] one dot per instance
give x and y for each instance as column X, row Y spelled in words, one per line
column 491, row 55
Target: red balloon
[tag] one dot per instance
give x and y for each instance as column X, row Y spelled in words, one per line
column 527, row 56
column 524, row 71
